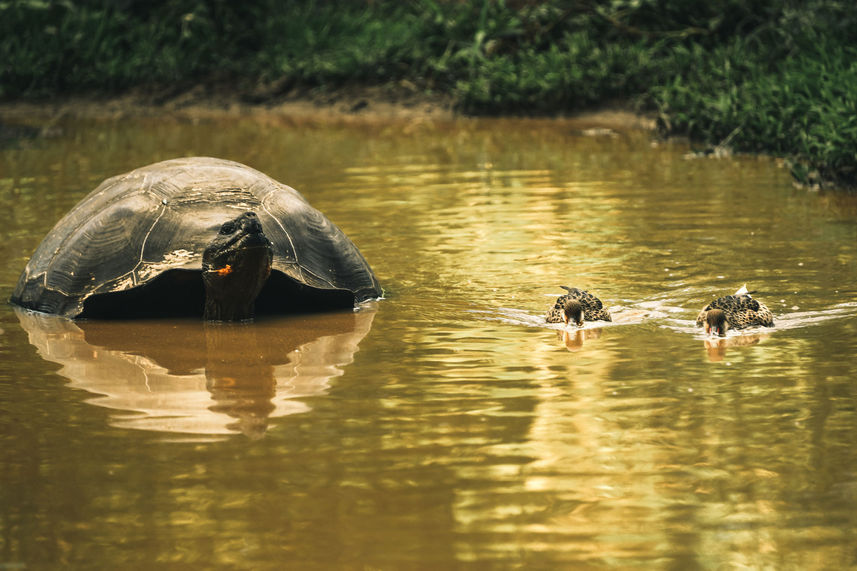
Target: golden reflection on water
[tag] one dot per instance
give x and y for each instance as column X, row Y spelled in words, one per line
column 465, row 431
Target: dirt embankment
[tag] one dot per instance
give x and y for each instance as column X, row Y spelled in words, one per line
column 364, row 104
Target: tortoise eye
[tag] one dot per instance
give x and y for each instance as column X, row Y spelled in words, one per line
column 227, row 228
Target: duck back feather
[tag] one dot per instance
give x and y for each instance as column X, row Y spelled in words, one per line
column 593, row 309
column 741, row 310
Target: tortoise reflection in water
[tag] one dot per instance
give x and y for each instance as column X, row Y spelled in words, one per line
column 189, row 377
column 137, row 245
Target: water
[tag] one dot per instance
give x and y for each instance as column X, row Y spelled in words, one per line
column 447, row 426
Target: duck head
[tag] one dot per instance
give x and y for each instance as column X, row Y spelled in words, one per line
column 716, row 323
column 573, row 313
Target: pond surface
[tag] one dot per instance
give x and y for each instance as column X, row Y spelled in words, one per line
column 446, row 426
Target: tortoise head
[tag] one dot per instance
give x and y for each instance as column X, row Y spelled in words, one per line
column 235, row 266
column 716, row 323
column 573, row 312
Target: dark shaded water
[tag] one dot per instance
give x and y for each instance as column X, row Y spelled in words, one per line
column 446, row 426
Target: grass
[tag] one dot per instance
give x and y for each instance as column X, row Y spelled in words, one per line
column 774, row 76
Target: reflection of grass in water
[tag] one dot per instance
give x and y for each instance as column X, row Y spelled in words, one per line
column 762, row 76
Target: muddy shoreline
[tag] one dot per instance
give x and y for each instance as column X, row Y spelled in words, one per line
column 364, row 105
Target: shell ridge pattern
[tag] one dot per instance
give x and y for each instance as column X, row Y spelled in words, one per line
column 133, row 271
column 301, row 269
column 54, row 255
column 130, row 278
column 276, row 219
column 71, row 237
column 59, row 247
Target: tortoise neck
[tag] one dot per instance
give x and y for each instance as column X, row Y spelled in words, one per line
column 218, row 310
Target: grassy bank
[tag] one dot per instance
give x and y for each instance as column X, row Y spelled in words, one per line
column 776, row 76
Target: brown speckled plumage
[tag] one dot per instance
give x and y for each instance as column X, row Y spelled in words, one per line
column 593, row 309
column 740, row 311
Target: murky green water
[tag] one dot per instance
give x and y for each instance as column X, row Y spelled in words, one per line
column 446, row 426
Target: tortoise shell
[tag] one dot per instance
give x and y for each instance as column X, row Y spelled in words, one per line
column 134, row 246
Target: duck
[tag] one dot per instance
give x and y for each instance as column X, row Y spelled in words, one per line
column 735, row 311
column 577, row 306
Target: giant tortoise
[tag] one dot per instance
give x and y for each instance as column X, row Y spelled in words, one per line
column 194, row 236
